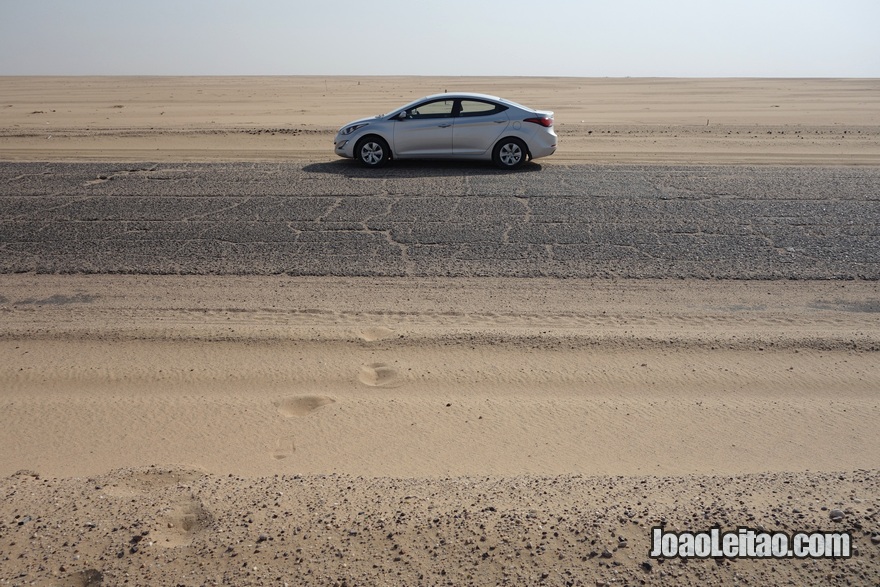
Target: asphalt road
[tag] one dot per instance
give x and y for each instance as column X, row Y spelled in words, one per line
column 433, row 219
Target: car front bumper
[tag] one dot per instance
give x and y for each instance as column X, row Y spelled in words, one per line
column 344, row 147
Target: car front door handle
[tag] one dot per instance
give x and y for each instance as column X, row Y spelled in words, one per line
column 445, row 125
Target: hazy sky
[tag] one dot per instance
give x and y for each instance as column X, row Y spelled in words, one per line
column 690, row 38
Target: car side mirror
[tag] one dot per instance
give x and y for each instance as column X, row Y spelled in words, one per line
column 402, row 116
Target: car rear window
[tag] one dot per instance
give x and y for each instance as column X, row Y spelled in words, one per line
column 478, row 108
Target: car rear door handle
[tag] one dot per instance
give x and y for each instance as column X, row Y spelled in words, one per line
column 500, row 121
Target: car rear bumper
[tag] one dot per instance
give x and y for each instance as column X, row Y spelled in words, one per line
column 543, row 144
column 542, row 151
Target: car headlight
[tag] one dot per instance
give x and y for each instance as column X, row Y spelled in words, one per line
column 351, row 128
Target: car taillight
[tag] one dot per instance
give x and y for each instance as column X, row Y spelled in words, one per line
column 543, row 121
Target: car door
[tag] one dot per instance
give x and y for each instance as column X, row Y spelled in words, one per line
column 477, row 126
column 425, row 130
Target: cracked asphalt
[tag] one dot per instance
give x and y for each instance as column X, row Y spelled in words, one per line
column 441, row 219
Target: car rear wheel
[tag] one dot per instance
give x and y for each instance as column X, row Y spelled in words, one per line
column 372, row 151
column 509, row 153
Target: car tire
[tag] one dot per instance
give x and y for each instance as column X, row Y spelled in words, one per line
column 509, row 153
column 372, row 151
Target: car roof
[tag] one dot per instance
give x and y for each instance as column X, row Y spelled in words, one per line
column 458, row 95
column 463, row 95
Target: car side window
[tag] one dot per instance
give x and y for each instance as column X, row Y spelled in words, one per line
column 436, row 109
column 477, row 108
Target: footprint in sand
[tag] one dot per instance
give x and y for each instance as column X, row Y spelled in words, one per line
column 87, row 578
column 378, row 375
column 184, row 520
column 375, row 333
column 302, row 405
column 284, row 448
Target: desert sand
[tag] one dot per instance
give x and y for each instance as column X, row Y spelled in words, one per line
column 270, row 430
column 466, row 377
column 714, row 121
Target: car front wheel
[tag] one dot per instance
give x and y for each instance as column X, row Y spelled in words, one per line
column 372, row 151
column 509, row 153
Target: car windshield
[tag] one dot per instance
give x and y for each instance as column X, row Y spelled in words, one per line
column 402, row 108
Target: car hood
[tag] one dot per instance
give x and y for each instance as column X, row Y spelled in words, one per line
column 360, row 121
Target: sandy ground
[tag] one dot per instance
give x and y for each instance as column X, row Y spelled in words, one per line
column 792, row 121
column 466, row 377
column 189, row 430
column 166, row 430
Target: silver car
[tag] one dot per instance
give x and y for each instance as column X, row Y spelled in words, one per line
column 451, row 126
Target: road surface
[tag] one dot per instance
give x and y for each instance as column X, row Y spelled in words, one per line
column 434, row 219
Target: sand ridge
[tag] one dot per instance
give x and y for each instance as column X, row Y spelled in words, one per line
column 472, row 376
